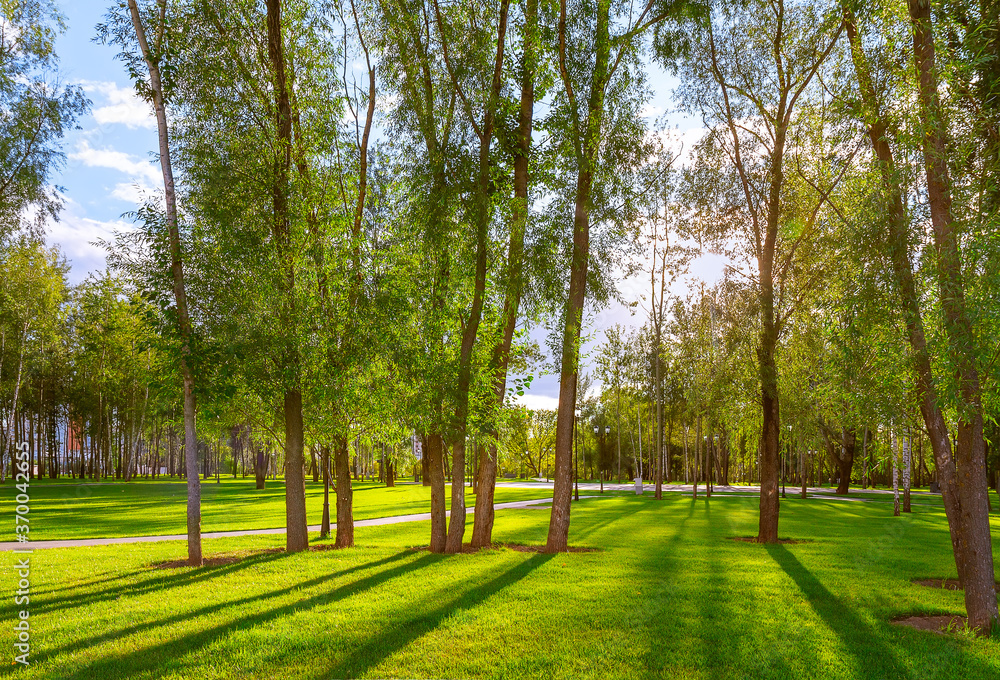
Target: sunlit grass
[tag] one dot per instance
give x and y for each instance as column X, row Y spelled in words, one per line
column 667, row 595
column 105, row 510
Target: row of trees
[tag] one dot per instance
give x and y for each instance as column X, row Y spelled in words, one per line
column 850, row 171
column 361, row 203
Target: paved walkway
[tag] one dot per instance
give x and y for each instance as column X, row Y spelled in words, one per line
column 729, row 489
column 377, row 521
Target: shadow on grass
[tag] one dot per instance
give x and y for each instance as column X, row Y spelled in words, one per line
column 657, row 616
column 872, row 656
column 212, row 609
column 149, row 659
column 602, row 519
column 155, row 584
column 394, row 639
column 88, row 584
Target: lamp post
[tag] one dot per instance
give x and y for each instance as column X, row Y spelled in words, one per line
column 708, row 468
column 607, row 431
column 715, row 446
column 576, row 460
column 324, row 531
column 783, row 458
column 597, row 432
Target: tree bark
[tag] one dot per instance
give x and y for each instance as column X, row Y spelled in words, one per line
column 296, row 532
column 177, row 276
column 435, row 456
column 482, row 529
column 345, row 494
column 845, row 461
column 324, row 528
column 456, row 525
column 562, row 490
column 983, row 603
column 297, row 536
column 483, row 216
column 970, row 453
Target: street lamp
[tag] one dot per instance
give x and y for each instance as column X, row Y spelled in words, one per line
column 708, row 468
column 783, row 461
column 715, row 446
column 576, row 459
column 600, row 473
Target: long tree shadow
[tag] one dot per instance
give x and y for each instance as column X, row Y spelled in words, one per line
column 149, row 659
column 658, row 613
column 392, row 640
column 601, row 519
column 156, row 583
column 871, row 654
column 75, row 585
column 211, row 609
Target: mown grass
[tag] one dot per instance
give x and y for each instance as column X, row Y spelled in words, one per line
column 107, row 510
column 668, row 595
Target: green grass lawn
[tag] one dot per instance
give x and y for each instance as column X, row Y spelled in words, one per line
column 105, row 510
column 667, row 595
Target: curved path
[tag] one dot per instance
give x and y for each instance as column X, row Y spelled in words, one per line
column 377, row 521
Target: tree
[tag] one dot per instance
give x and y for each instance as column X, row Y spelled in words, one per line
column 145, row 68
column 962, row 476
column 753, row 67
column 531, row 55
column 598, row 67
column 36, row 114
column 611, row 362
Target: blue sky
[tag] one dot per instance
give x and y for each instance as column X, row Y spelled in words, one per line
column 110, row 155
column 110, row 164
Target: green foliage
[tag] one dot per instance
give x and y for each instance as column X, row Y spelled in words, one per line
column 35, row 113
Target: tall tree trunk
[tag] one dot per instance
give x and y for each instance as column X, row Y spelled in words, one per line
column 151, row 58
column 970, row 452
column 845, row 461
column 658, row 449
column 435, row 456
column 456, row 525
column 482, row 529
column 562, row 490
column 297, row 535
column 899, row 257
column 483, row 213
column 767, row 531
column 259, row 466
column 324, row 527
column 345, row 494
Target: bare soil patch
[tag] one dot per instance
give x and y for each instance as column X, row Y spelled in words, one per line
column 935, row 624
column 541, row 548
column 223, row 559
column 467, row 549
column 945, row 583
column 783, row 541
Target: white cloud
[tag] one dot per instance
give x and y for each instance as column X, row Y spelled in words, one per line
column 132, row 192
column 710, row 267
column 650, row 111
column 682, row 142
column 120, row 106
column 75, row 236
column 136, row 169
column 537, row 401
